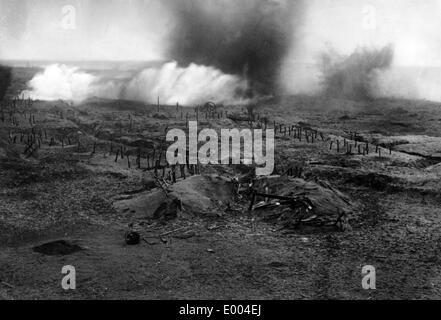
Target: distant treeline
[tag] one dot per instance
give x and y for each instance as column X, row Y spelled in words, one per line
column 5, row 80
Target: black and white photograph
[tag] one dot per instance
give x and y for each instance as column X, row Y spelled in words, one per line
column 220, row 150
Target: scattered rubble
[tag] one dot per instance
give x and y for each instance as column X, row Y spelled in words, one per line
column 295, row 201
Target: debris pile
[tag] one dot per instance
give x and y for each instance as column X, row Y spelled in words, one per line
column 295, row 202
column 197, row 195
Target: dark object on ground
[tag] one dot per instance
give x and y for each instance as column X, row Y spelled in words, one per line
column 5, row 80
column 345, row 117
column 160, row 116
column 239, row 118
column 209, row 107
column 55, row 248
column 132, row 238
column 148, row 183
column 296, row 201
column 372, row 180
column 168, row 210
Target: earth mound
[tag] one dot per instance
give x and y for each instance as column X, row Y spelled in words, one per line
column 197, row 195
column 323, row 204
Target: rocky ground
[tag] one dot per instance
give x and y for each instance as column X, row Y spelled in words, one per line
column 200, row 241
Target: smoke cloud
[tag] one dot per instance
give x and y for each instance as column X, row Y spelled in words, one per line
column 275, row 46
column 61, row 82
column 354, row 76
column 410, row 83
column 248, row 37
column 188, row 86
column 194, row 84
column 379, row 49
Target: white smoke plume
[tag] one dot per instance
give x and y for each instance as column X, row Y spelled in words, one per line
column 60, row 82
column 194, row 84
column 275, row 44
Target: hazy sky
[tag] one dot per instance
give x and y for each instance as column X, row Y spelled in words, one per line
column 81, row 29
column 137, row 29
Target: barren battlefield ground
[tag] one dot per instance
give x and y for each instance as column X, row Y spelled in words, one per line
column 67, row 197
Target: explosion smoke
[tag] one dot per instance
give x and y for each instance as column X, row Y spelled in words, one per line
column 248, row 37
column 188, row 86
column 271, row 45
column 354, row 76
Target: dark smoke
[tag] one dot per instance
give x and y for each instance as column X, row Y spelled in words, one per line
column 5, row 80
column 353, row 76
column 246, row 37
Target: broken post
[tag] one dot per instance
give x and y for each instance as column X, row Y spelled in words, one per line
column 183, row 172
column 253, row 198
column 156, row 168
